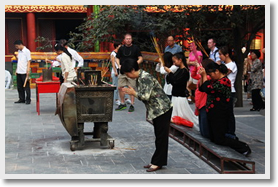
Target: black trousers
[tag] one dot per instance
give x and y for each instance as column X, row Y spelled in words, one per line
column 257, row 99
column 161, row 130
column 21, row 90
column 232, row 121
column 218, row 129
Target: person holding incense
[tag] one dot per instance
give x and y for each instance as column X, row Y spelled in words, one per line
column 159, row 109
column 179, row 80
column 127, row 51
column 67, row 68
column 168, row 62
column 195, row 57
column 22, row 72
column 75, row 56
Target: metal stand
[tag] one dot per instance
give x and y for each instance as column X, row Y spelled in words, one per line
column 99, row 135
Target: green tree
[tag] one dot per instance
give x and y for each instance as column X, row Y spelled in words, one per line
column 235, row 26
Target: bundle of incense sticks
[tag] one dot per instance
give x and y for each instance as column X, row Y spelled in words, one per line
column 157, row 49
column 93, row 81
column 201, row 47
column 105, row 68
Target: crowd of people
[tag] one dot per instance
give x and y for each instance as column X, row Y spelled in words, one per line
column 209, row 83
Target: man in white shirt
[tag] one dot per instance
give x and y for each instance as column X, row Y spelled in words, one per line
column 22, row 72
column 213, row 55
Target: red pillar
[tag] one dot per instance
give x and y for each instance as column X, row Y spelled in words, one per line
column 31, row 31
column 89, row 10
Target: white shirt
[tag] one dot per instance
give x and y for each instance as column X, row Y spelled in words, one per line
column 56, row 62
column 66, row 66
column 76, row 57
column 167, row 87
column 23, row 57
column 232, row 76
column 116, row 65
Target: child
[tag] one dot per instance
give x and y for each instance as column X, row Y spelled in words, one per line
column 159, row 68
column 179, row 81
column 115, row 70
column 217, row 106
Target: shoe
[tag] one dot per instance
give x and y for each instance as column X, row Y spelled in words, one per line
column 153, row 169
column 28, row 102
column 148, row 166
column 247, row 153
column 253, row 109
column 121, row 107
column 20, row 101
column 117, row 102
column 131, row 108
column 127, row 101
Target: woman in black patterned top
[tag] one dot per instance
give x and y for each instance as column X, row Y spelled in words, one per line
column 217, row 106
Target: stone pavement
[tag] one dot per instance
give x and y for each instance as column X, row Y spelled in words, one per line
column 39, row 144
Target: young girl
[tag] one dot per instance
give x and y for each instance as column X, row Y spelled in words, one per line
column 225, row 55
column 217, row 106
column 115, row 70
column 179, row 80
column 159, row 68
column 68, row 71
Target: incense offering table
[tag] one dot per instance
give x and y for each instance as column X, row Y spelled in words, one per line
column 46, row 87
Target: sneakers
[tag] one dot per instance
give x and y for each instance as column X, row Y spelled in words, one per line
column 127, row 101
column 121, row 107
column 131, row 108
column 117, row 102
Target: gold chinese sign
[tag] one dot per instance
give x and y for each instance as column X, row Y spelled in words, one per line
column 46, row 8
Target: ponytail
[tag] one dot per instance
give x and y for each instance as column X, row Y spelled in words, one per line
column 59, row 47
column 181, row 56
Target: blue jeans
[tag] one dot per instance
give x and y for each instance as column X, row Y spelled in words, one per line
column 115, row 83
column 203, row 122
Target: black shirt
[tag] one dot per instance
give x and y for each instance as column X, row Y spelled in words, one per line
column 125, row 52
column 179, row 82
